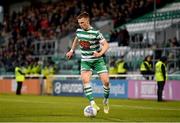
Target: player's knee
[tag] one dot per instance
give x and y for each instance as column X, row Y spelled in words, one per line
column 85, row 80
column 106, row 83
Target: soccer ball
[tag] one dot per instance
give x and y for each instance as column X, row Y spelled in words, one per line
column 89, row 111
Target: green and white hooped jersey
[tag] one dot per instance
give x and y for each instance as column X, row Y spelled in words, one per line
column 89, row 42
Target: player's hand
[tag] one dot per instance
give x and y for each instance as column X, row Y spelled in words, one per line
column 96, row 54
column 69, row 54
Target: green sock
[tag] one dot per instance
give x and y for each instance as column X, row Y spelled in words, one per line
column 88, row 92
column 106, row 92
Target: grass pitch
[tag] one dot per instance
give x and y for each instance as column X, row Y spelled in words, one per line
column 29, row 108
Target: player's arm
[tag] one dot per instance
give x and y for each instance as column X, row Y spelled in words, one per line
column 105, row 47
column 69, row 54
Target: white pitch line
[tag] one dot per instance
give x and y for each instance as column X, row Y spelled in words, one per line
column 115, row 120
column 111, row 105
column 26, row 101
column 145, row 107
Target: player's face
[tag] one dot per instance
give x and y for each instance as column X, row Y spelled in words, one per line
column 84, row 23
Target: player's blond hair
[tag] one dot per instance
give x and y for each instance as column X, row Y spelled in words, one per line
column 83, row 15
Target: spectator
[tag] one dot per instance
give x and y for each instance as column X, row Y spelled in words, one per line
column 113, row 36
column 123, row 37
column 174, row 53
column 157, row 51
column 2, row 40
column 175, row 42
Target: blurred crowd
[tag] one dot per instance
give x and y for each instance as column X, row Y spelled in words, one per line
column 53, row 20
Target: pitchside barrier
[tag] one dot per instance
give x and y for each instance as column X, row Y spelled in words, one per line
column 133, row 87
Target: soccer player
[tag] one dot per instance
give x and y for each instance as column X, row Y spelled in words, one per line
column 93, row 46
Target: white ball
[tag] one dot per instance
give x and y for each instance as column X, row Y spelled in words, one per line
column 89, row 111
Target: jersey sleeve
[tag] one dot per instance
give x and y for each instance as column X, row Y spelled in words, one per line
column 76, row 32
column 100, row 37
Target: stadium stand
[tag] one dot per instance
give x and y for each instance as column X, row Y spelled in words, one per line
column 34, row 32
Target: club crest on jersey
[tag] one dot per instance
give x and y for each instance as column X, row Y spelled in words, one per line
column 92, row 36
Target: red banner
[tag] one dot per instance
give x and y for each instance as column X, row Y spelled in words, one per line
column 30, row 86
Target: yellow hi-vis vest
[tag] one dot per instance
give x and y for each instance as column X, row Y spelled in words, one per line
column 19, row 76
column 143, row 68
column 120, row 67
column 158, row 71
column 112, row 70
column 45, row 71
column 35, row 69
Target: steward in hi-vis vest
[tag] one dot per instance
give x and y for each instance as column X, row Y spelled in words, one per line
column 146, row 67
column 122, row 67
column 161, row 76
column 20, row 77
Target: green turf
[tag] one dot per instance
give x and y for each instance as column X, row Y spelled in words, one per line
column 28, row 108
